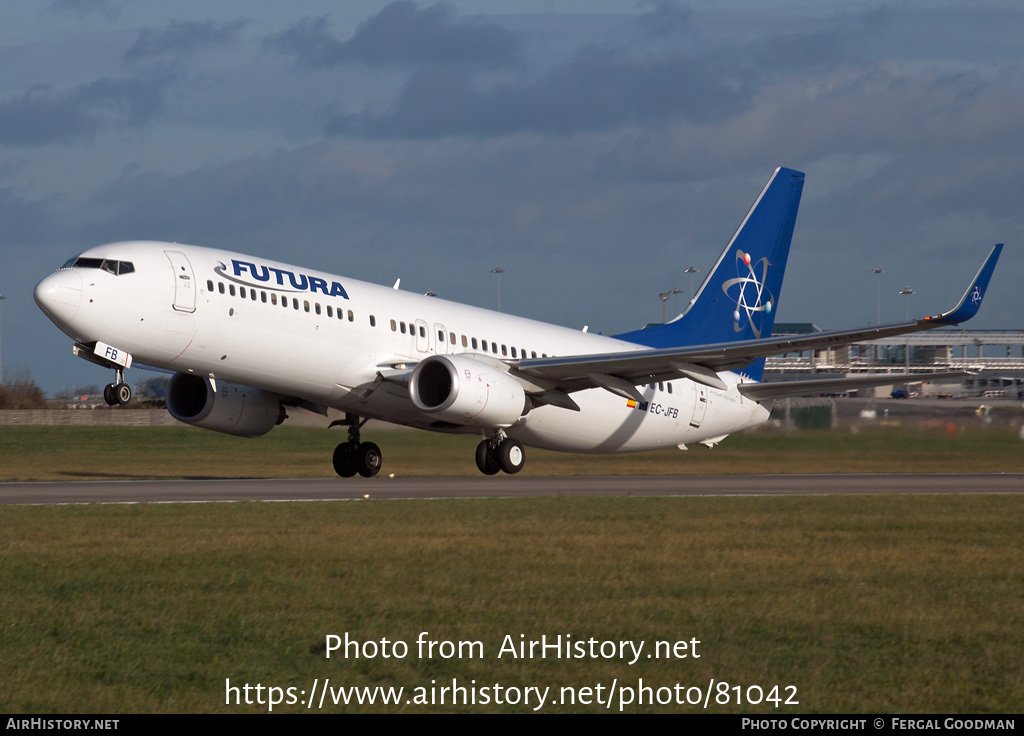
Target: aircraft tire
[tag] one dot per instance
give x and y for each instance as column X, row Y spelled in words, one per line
column 122, row 393
column 511, row 456
column 368, row 459
column 485, row 459
column 108, row 394
column 344, row 460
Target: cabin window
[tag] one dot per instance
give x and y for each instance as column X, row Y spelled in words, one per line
column 305, row 304
column 351, row 317
column 504, row 350
column 316, row 307
column 373, row 320
column 465, row 342
column 295, row 304
column 231, row 289
column 474, row 343
column 423, row 331
column 330, row 311
column 209, row 285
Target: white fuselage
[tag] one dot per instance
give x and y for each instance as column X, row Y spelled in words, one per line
column 327, row 339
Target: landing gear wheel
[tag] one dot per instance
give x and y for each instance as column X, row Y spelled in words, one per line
column 109, row 395
column 345, row 460
column 354, row 456
column 368, row 459
column 122, row 393
column 511, row 456
column 486, row 459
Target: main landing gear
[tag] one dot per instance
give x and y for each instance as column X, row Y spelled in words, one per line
column 118, row 392
column 354, row 456
column 500, row 453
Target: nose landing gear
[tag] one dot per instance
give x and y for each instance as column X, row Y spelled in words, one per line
column 118, row 392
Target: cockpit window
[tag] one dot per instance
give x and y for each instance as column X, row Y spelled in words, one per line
column 117, row 268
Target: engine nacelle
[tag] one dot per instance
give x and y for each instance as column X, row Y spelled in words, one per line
column 465, row 391
column 232, row 409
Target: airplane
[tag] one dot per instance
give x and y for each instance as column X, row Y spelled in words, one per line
column 248, row 338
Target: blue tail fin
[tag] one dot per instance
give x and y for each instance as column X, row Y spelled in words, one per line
column 738, row 299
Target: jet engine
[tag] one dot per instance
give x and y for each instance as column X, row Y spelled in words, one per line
column 222, row 407
column 465, row 391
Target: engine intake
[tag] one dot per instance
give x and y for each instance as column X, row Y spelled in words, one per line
column 230, row 408
column 465, row 391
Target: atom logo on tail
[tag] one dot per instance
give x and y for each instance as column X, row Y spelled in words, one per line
column 753, row 301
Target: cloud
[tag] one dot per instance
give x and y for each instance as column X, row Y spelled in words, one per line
column 42, row 115
column 181, row 37
column 665, row 18
column 106, row 8
column 26, row 222
column 401, row 34
column 598, row 90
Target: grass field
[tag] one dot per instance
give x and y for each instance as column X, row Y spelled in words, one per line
column 863, row 604
column 869, row 604
column 92, row 453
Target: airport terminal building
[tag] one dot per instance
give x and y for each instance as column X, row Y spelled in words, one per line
column 995, row 358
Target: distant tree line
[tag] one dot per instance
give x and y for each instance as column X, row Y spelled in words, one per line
column 21, row 393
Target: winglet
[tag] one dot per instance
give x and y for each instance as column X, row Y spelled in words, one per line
column 971, row 301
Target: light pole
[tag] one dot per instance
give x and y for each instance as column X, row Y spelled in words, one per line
column 664, row 303
column 878, row 303
column 2, row 297
column 907, row 291
column 691, row 270
column 499, row 271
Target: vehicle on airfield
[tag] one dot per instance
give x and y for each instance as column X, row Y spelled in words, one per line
column 247, row 338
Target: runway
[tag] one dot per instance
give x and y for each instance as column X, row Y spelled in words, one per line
column 337, row 489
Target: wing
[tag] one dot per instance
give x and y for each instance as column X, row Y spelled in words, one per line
column 621, row 372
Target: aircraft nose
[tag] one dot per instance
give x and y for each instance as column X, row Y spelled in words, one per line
column 59, row 295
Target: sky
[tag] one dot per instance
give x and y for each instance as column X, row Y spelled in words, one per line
column 593, row 150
